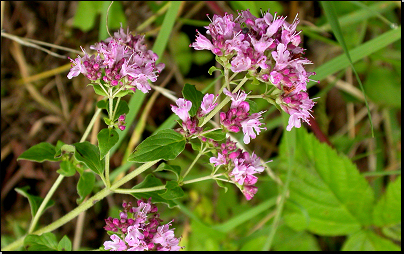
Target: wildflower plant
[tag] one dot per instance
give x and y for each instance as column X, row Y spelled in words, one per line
column 265, row 51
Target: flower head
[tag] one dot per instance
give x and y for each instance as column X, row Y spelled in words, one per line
column 125, row 60
column 139, row 229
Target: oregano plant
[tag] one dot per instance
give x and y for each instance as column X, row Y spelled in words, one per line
column 332, row 197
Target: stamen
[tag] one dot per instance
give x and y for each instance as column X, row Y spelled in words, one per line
column 207, row 15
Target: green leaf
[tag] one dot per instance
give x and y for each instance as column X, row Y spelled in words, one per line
column 85, row 185
column 165, row 144
column 222, row 185
column 173, row 191
column 39, row 153
column 103, row 104
column 217, row 135
column 213, row 68
column 89, row 154
column 122, row 93
column 329, row 187
column 253, row 106
column 387, row 211
column 86, row 13
column 190, row 93
column 287, row 239
column 393, row 232
column 196, row 144
column 64, row 149
column 44, row 242
column 366, row 240
column 200, row 57
column 148, row 182
column 107, row 138
column 173, row 168
column 65, row 244
column 245, row 216
column 66, row 169
column 383, row 86
column 123, row 108
column 34, row 201
column 98, row 90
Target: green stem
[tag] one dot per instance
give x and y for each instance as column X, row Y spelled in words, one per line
column 83, row 206
column 223, row 103
column 192, row 164
column 60, row 178
column 162, row 187
column 44, row 203
column 132, row 174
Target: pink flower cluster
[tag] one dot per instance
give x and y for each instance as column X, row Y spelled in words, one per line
column 122, row 59
column 238, row 117
column 268, row 48
column 190, row 124
column 241, row 166
column 139, row 229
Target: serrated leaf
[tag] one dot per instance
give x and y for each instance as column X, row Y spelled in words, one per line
column 66, row 168
column 44, row 242
column 387, row 211
column 89, row 154
column 85, row 185
column 148, row 182
column 165, row 144
column 65, row 244
column 366, row 240
column 217, row 135
column 173, row 168
column 39, row 153
column 192, row 94
column 107, row 138
column 337, row 198
column 34, row 201
column 173, row 191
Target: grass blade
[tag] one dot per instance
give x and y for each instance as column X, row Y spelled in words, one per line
column 333, row 19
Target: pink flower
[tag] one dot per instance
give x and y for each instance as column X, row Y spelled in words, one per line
column 202, row 43
column 135, row 239
column 166, row 238
column 250, row 125
column 116, row 244
column 249, row 191
column 183, row 108
column 298, row 106
column 220, row 160
column 208, row 104
column 237, row 98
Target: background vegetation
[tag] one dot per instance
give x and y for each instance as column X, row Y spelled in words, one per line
column 339, row 186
